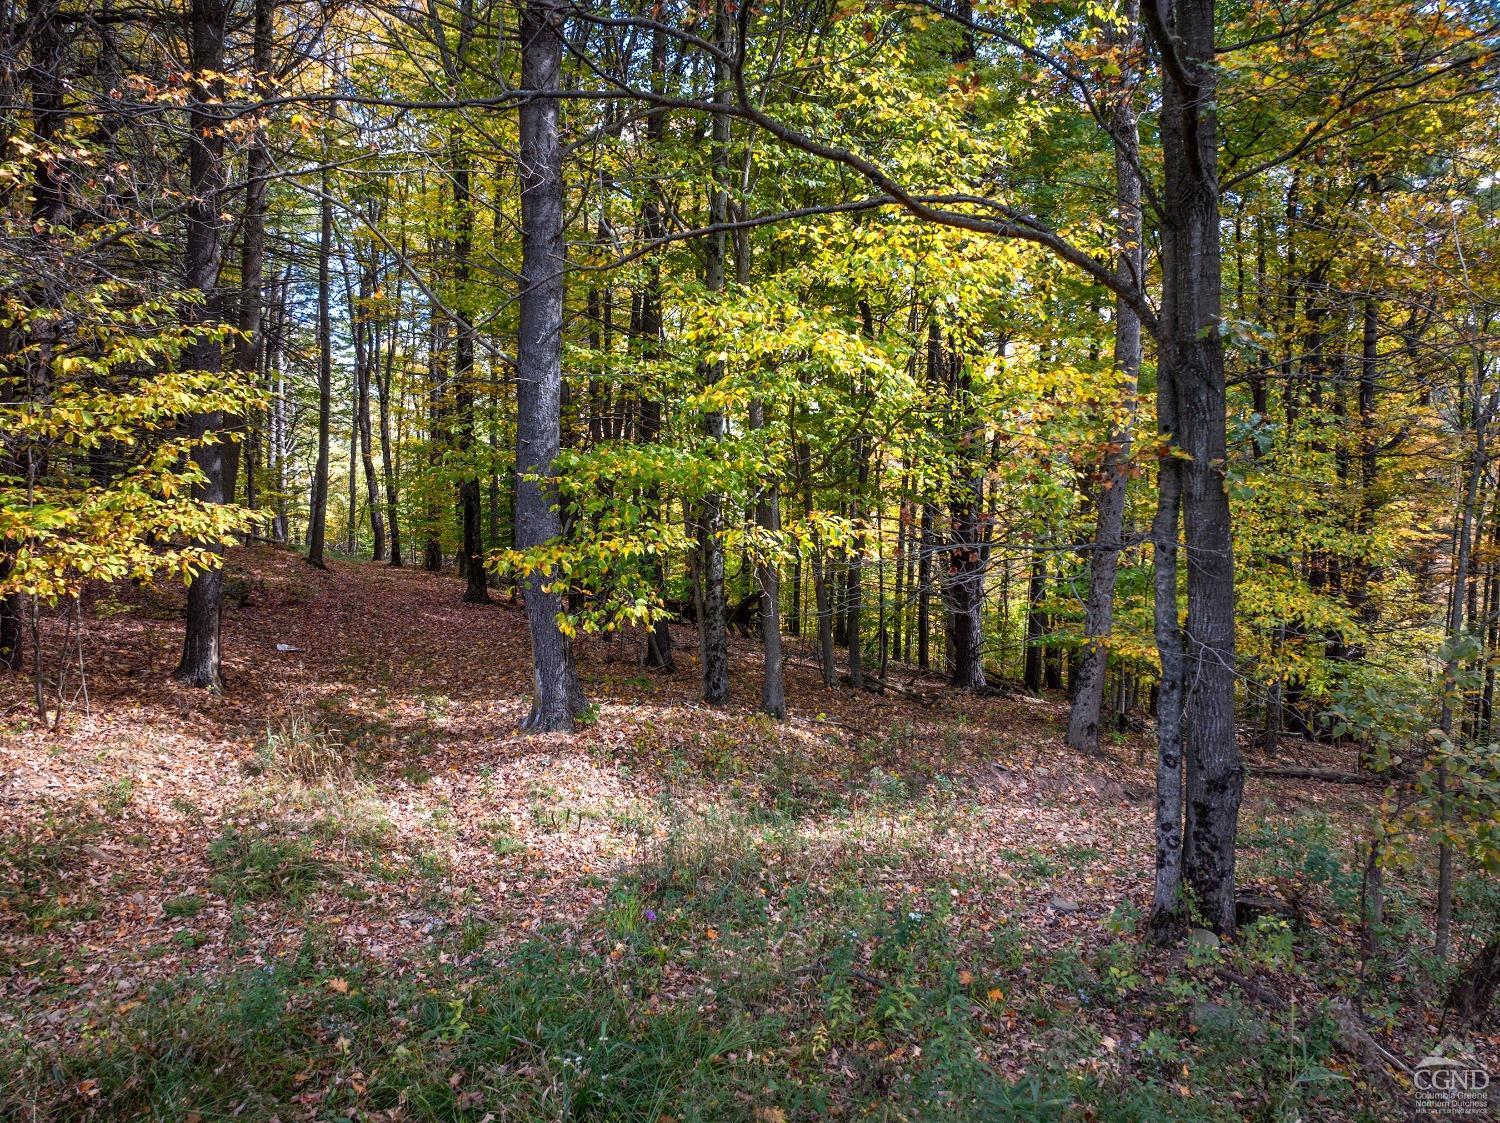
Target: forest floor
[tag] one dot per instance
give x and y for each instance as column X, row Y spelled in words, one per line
column 347, row 889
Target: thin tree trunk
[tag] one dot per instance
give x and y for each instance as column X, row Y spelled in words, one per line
column 387, row 470
column 713, row 631
column 1104, row 559
column 318, row 516
column 476, row 590
column 653, row 223
column 768, row 519
column 557, row 697
column 364, row 371
column 1457, row 602
column 925, row 547
column 1036, row 623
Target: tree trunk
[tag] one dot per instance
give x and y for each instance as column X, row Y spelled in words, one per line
column 250, row 347
column 476, row 590
column 925, row 547
column 768, row 576
column 649, row 324
column 1104, row 558
column 558, row 697
column 207, row 176
column 387, row 469
column 437, row 436
column 363, row 373
column 1192, row 356
column 965, row 586
column 1474, row 991
column 318, row 515
column 1036, row 623
column 1166, row 905
column 713, row 631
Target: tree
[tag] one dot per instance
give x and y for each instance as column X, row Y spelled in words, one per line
column 317, row 531
column 558, row 697
column 207, row 176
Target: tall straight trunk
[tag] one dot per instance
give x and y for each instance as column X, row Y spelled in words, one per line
column 822, row 606
column 557, row 696
column 367, row 358
column 387, row 469
column 1036, row 623
column 207, row 178
column 768, row 576
column 658, row 655
column 965, row 584
column 855, row 603
column 45, row 77
column 713, row 628
column 1166, row 904
column 1192, row 357
column 794, row 601
column 318, row 516
column 437, row 436
column 351, row 523
column 926, row 544
column 476, row 589
column 250, row 348
column 1104, row 558
column 1369, row 464
column 903, row 517
column 1463, row 552
column 280, row 426
column 768, row 519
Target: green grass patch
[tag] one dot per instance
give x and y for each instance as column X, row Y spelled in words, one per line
column 253, row 864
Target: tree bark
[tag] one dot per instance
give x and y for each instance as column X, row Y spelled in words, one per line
column 250, row 348
column 768, row 576
column 1166, row 904
column 392, row 499
column 207, row 177
column 558, row 697
column 1104, row 559
column 437, row 436
column 1036, row 623
column 658, row 653
column 367, row 357
column 1192, row 356
column 925, row 547
column 318, row 515
column 713, row 630
column 476, row 590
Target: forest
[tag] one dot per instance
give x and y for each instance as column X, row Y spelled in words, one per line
column 734, row 559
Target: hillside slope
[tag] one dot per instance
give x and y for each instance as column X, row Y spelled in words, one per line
column 351, row 875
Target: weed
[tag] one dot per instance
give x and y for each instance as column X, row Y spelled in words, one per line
column 263, row 864
column 183, row 907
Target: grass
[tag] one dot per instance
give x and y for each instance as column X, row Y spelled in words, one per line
column 304, row 747
column 253, row 864
column 35, row 863
column 183, row 907
column 742, row 966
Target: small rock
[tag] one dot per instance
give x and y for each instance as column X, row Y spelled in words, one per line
column 1203, row 939
column 286, row 647
column 1060, row 903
